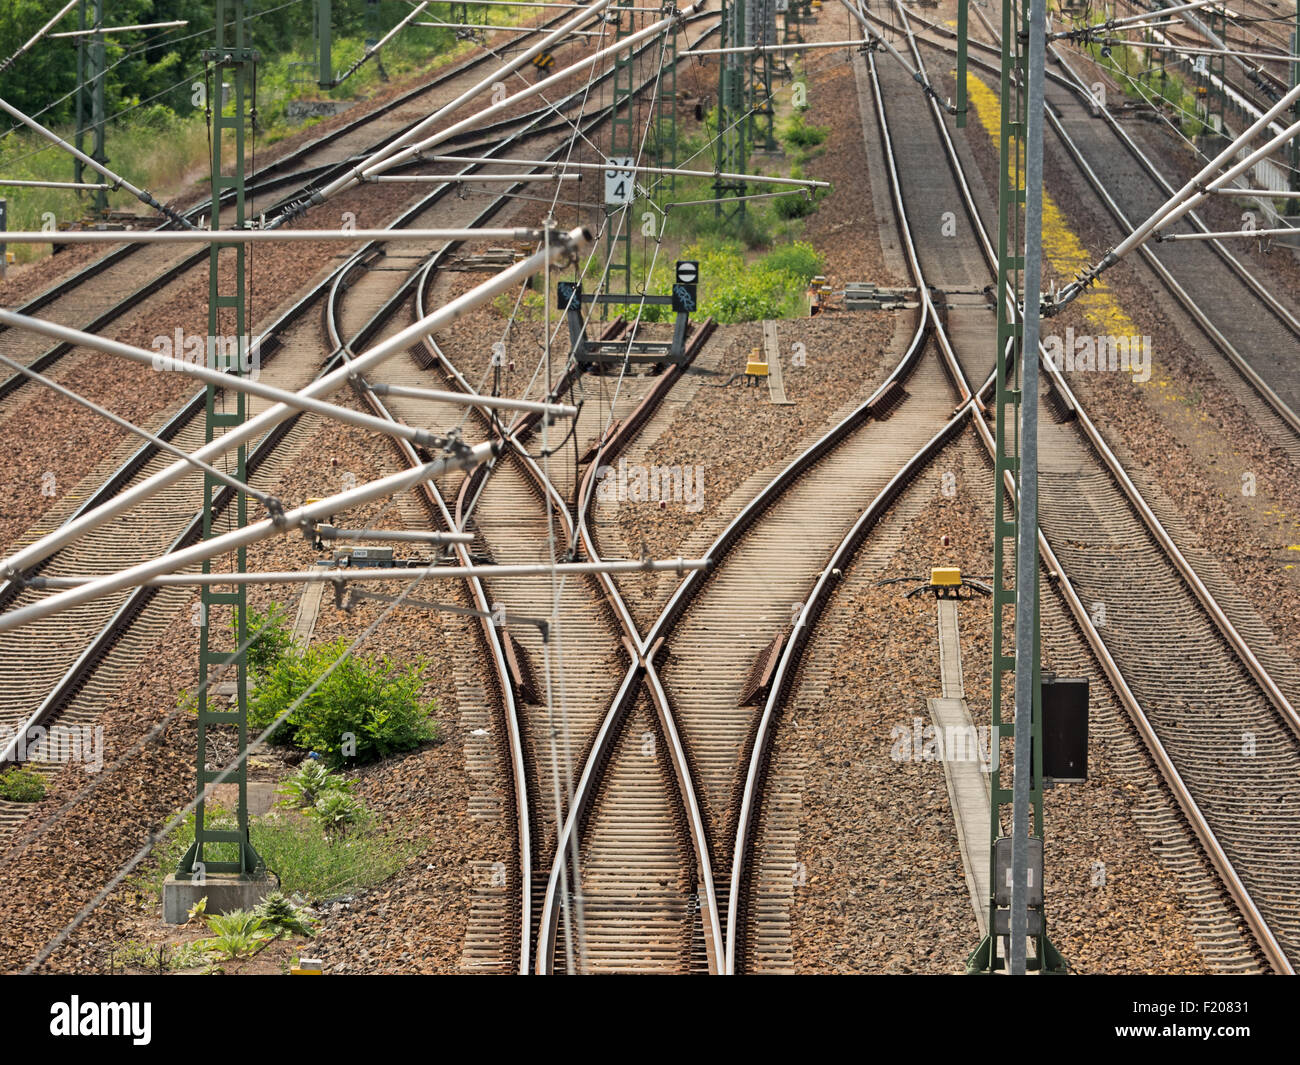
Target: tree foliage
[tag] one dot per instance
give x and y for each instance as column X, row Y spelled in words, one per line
column 162, row 65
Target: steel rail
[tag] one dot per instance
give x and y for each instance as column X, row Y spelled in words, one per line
column 1199, row 823
column 418, row 282
column 1203, row 595
column 641, row 667
column 1195, row 311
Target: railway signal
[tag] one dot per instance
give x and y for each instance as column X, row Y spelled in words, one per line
column 544, row 61
column 685, row 287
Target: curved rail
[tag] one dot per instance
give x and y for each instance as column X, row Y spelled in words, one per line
column 1182, row 793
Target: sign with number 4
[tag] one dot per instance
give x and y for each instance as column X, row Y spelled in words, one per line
column 619, row 185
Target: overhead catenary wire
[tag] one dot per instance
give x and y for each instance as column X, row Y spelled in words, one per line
column 262, row 236
column 1191, row 195
column 419, row 148
column 264, row 498
column 352, row 177
column 563, row 246
column 221, row 379
column 299, row 518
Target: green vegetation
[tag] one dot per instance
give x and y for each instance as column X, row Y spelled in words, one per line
column 22, row 785
column 238, row 934
column 156, row 133
column 284, row 917
column 157, row 957
column 1130, row 67
column 352, row 710
column 310, row 784
column 308, row 861
column 798, row 136
column 271, row 638
column 773, row 286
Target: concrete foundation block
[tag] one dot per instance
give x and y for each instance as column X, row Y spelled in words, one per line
column 224, row 891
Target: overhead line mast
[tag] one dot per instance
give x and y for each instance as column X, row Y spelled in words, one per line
column 225, row 409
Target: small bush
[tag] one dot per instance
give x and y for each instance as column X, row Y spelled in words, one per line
column 789, row 207
column 283, row 917
column 799, row 135
column 271, row 638
column 310, row 784
column 770, row 287
column 364, row 709
column 238, row 934
column 22, row 785
column 799, row 259
column 338, row 812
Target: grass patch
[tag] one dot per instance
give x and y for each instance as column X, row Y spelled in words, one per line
column 22, row 785
column 307, row 860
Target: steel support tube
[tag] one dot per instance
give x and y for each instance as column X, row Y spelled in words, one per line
column 173, row 25
column 1165, row 212
column 117, row 181
column 758, row 179
column 299, row 518
column 263, row 236
column 38, row 35
column 395, row 573
column 81, row 186
column 332, row 532
column 463, row 179
column 218, row 379
column 1027, row 511
column 561, row 248
column 475, row 399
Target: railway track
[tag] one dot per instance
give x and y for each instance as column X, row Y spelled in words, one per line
column 92, row 651
column 1245, row 853
column 1249, row 328
column 102, row 292
column 1093, row 523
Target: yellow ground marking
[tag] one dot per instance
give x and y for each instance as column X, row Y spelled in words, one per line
column 1061, row 248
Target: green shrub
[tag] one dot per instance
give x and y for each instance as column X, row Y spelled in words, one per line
column 338, row 812
column 283, row 917
column 271, row 638
column 312, row 782
column 789, row 207
column 799, row 135
column 364, row 709
column 770, row 287
column 799, row 260
column 22, row 785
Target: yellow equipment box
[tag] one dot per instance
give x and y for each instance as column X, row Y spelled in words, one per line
column 945, row 577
